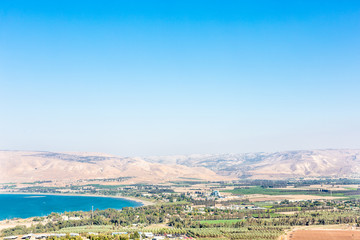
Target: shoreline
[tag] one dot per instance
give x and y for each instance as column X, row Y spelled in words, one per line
column 134, row 199
column 9, row 223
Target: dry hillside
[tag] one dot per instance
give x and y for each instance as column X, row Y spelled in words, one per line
column 288, row 164
column 22, row 166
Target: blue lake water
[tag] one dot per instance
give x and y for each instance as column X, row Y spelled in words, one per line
column 30, row 205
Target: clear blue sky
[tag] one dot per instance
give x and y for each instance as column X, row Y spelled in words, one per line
column 179, row 77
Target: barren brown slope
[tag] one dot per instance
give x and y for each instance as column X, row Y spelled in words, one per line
column 278, row 165
column 331, row 163
column 22, row 166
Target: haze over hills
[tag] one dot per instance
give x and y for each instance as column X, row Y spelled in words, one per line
column 27, row 166
column 287, row 164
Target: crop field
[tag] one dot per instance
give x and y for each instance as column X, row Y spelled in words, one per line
column 256, row 215
column 90, row 228
column 255, row 232
column 276, row 191
column 221, row 221
column 324, row 235
column 296, row 197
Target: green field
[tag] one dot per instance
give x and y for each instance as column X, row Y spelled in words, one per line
column 272, row 191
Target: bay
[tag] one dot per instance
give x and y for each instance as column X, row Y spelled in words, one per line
column 31, row 205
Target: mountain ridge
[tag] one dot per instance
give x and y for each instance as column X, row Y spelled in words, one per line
column 286, row 164
column 22, row 166
column 28, row 166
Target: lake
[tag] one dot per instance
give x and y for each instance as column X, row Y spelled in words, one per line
column 31, row 205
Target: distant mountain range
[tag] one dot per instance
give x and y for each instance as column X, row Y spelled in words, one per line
column 278, row 165
column 28, row 166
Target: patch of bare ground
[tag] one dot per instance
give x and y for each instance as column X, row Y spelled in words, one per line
column 320, row 232
column 330, row 234
column 160, row 225
column 262, row 198
column 18, row 222
column 287, row 213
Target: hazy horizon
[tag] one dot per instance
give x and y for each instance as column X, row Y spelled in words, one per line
column 179, row 154
column 146, row 78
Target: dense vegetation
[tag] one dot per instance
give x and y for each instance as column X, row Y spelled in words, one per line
column 209, row 223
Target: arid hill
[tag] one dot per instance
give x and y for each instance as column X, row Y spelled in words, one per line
column 278, row 165
column 22, row 166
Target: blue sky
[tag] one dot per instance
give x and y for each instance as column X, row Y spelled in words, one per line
column 179, row 77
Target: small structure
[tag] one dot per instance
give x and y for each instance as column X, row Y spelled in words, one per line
column 10, row 238
column 59, row 235
column 158, row 238
column 215, row 193
column 256, row 208
column 28, row 236
column 119, row 233
column 66, row 218
column 42, row 236
column 148, row 234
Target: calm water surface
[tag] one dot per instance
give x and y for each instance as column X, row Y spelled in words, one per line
column 30, row 205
